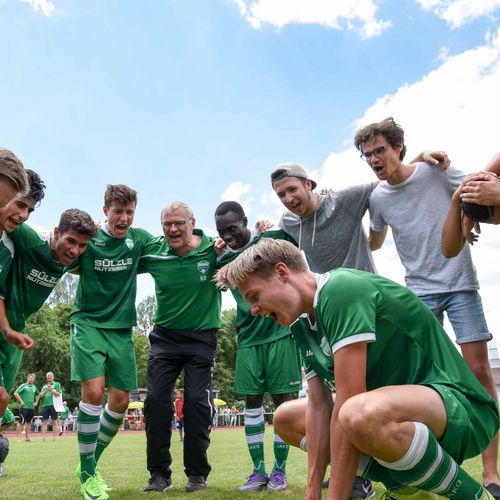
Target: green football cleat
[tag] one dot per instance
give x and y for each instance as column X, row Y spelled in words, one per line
column 92, row 489
column 97, row 474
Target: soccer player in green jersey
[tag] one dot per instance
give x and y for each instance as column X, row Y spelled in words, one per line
column 184, row 337
column 38, row 264
column 267, row 359
column 25, row 395
column 63, row 419
column 408, row 409
column 13, row 342
column 102, row 344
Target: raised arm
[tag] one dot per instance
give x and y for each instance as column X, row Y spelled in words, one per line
column 494, row 165
column 318, row 412
column 433, row 158
column 350, row 380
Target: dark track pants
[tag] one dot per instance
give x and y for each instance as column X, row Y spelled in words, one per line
column 171, row 352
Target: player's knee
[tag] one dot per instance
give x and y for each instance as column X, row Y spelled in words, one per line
column 360, row 416
column 281, row 421
column 93, row 396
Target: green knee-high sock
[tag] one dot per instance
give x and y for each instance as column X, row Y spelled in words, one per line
column 87, row 431
column 110, row 422
column 254, row 431
column 280, row 452
column 429, row 467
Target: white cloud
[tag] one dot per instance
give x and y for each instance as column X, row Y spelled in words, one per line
column 352, row 15
column 45, row 6
column 235, row 192
column 459, row 12
column 455, row 108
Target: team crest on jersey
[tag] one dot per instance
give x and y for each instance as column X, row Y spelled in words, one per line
column 129, row 243
column 203, row 266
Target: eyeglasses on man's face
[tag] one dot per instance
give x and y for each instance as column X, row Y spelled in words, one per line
column 378, row 152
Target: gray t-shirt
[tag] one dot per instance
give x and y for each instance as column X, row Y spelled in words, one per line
column 415, row 210
column 334, row 236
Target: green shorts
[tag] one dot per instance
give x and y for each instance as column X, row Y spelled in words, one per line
column 103, row 352
column 10, row 360
column 471, row 425
column 273, row 367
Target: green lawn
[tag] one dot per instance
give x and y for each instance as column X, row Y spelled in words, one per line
column 46, row 470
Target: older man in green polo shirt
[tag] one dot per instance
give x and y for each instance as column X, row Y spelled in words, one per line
column 184, row 337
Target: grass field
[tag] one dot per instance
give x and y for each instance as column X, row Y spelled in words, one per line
column 45, row 470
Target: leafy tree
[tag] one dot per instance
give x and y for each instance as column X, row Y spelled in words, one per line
column 65, row 290
column 145, row 313
column 49, row 327
column 226, row 356
column 141, row 344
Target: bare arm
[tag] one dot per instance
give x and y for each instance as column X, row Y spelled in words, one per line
column 494, row 165
column 439, row 158
column 318, row 411
column 19, row 399
column 452, row 239
column 350, row 380
column 376, row 239
column 11, row 336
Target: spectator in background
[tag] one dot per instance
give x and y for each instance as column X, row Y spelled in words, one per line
column 26, row 394
column 234, row 416
column 63, row 419
column 49, row 390
column 179, row 415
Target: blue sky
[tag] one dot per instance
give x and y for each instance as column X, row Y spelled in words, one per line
column 198, row 100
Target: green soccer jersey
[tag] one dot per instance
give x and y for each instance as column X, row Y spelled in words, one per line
column 185, row 292
column 28, row 393
column 6, row 256
column 106, row 292
column 34, row 274
column 254, row 330
column 63, row 415
column 48, row 397
column 405, row 342
column 314, row 350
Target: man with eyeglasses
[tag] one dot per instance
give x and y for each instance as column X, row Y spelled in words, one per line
column 413, row 200
column 184, row 338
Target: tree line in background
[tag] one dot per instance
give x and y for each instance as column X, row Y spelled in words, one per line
column 49, row 327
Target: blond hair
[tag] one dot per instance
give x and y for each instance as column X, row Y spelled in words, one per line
column 260, row 259
column 12, row 170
